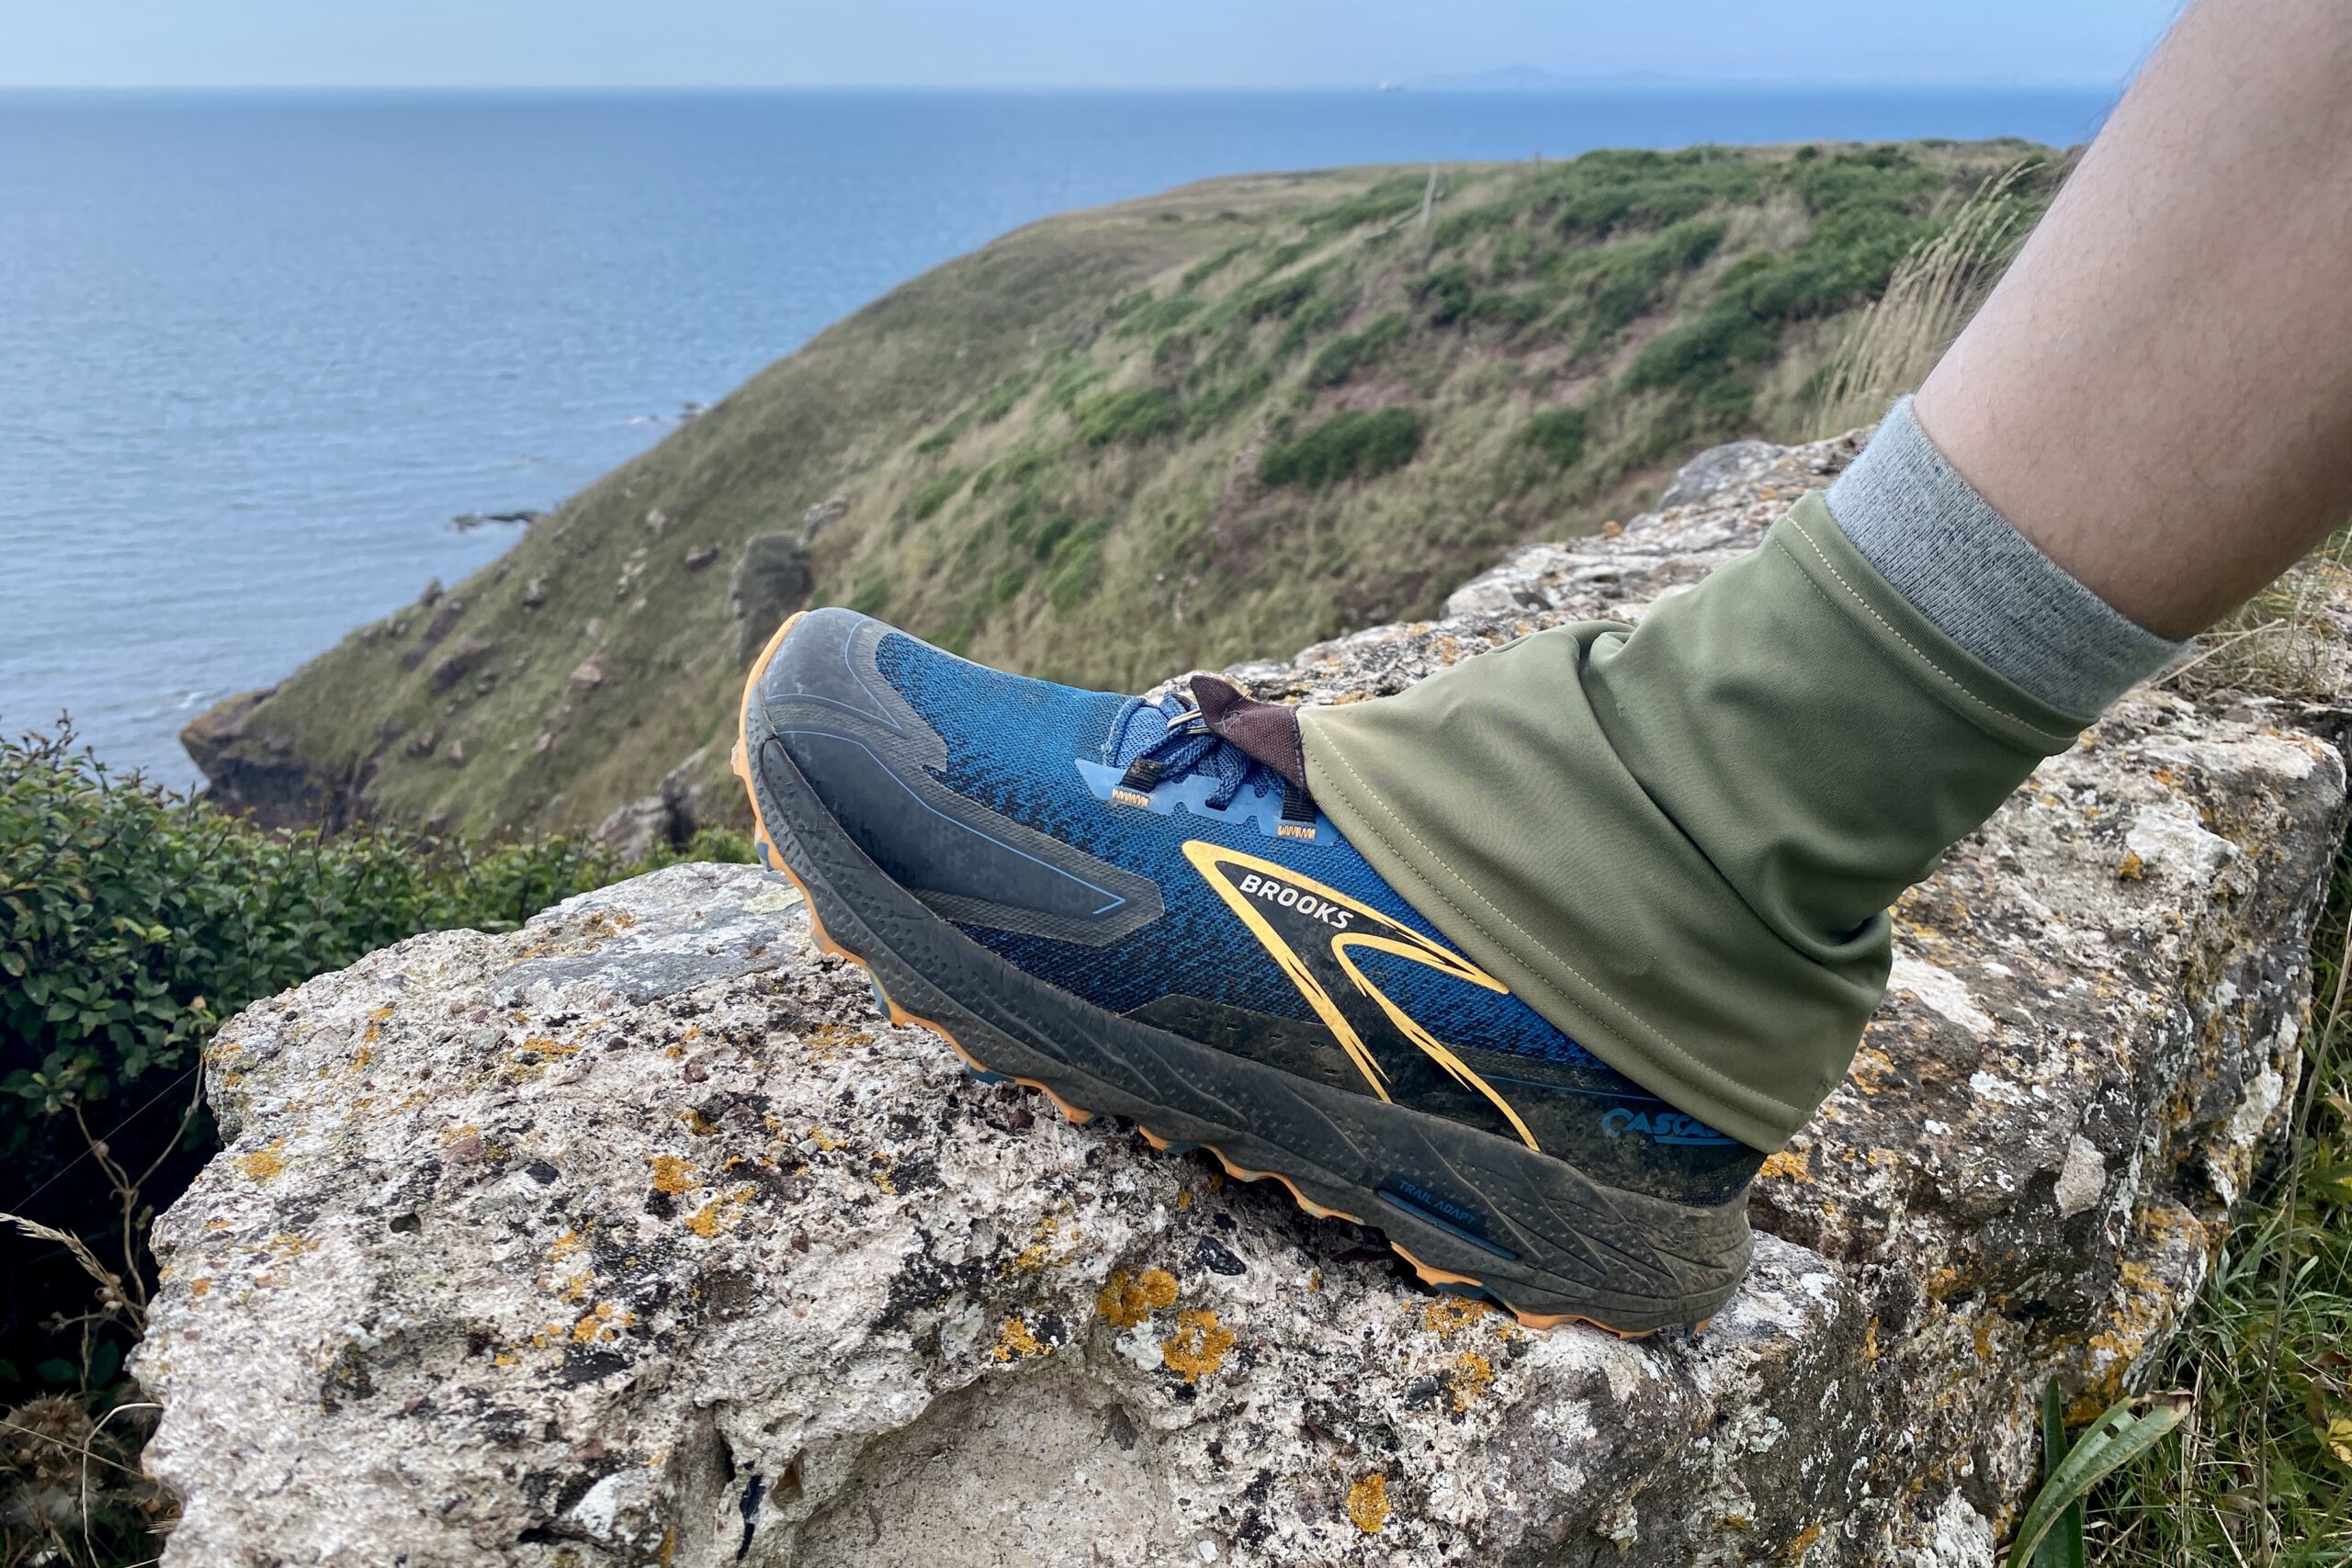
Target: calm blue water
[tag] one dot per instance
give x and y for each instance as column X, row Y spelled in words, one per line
column 256, row 351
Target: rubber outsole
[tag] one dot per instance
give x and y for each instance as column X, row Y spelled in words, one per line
column 797, row 839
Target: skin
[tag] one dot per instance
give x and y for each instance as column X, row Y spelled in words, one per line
column 2159, row 392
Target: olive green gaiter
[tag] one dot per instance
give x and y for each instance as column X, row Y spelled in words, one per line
column 1679, row 842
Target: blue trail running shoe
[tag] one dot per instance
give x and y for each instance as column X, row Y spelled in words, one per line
column 1135, row 907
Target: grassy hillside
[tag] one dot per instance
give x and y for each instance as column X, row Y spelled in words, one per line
column 1222, row 422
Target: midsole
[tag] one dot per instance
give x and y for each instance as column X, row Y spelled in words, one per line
column 1529, row 1226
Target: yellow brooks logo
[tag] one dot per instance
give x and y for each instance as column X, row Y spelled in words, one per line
column 1315, row 932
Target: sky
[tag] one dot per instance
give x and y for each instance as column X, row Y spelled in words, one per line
column 1063, row 44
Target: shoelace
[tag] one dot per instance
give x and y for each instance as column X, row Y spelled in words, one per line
column 1168, row 739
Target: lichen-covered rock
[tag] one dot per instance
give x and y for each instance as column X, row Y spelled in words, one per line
column 637, row 1237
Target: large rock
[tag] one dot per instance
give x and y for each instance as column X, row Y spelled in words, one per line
column 634, row 1236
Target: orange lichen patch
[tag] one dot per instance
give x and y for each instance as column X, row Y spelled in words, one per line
column 823, row 1139
column 2133, row 868
column 882, row 1174
column 1803, row 1543
column 604, row 1322
column 262, row 1164
column 1870, row 1343
column 1039, row 1255
column 541, row 1046
column 672, row 1175
column 1787, row 1166
column 1184, row 1199
column 701, row 1126
column 705, row 1222
column 1315, row 1279
column 285, row 1243
column 564, row 1247
column 199, row 1287
column 1984, row 1337
column 1871, row 1069
column 1198, row 1346
column 832, row 1039
column 1612, row 529
column 1128, row 1299
column 1368, row 1502
column 1473, row 1375
column 1449, row 1315
column 361, row 1060
column 576, row 1288
column 1015, row 1343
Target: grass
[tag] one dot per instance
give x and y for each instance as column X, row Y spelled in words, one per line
column 1896, row 340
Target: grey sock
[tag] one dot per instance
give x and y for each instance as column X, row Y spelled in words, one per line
column 1943, row 548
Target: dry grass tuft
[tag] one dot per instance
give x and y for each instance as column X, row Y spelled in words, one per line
column 1896, row 342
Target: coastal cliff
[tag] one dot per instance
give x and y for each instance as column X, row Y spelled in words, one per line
column 1240, row 415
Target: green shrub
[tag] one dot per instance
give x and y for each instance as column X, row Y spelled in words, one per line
column 1558, row 433
column 1222, row 400
column 1447, row 292
column 1311, row 320
column 1342, row 357
column 1459, row 228
column 1602, row 192
column 1282, row 255
column 929, row 498
column 1003, row 396
column 133, row 920
column 1015, row 469
column 1135, row 413
column 940, row 440
column 1077, row 566
column 1691, row 354
column 1201, row 271
column 1347, row 445
column 1159, row 316
column 1073, row 382
column 1275, row 299
column 1385, row 202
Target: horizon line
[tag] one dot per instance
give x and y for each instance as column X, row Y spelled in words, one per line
column 1631, row 82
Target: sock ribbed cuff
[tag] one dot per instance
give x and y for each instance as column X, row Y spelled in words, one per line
column 1981, row 583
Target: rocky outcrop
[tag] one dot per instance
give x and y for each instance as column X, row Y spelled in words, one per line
column 258, row 773
column 699, row 793
column 635, row 1236
column 772, row 580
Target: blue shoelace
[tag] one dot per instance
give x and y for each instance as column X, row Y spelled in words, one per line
column 1167, row 740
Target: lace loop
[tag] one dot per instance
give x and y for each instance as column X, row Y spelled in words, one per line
column 1180, row 745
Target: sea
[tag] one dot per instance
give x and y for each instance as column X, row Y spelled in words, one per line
column 259, row 349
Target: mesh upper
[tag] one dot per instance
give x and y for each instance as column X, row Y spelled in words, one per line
column 1013, row 745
